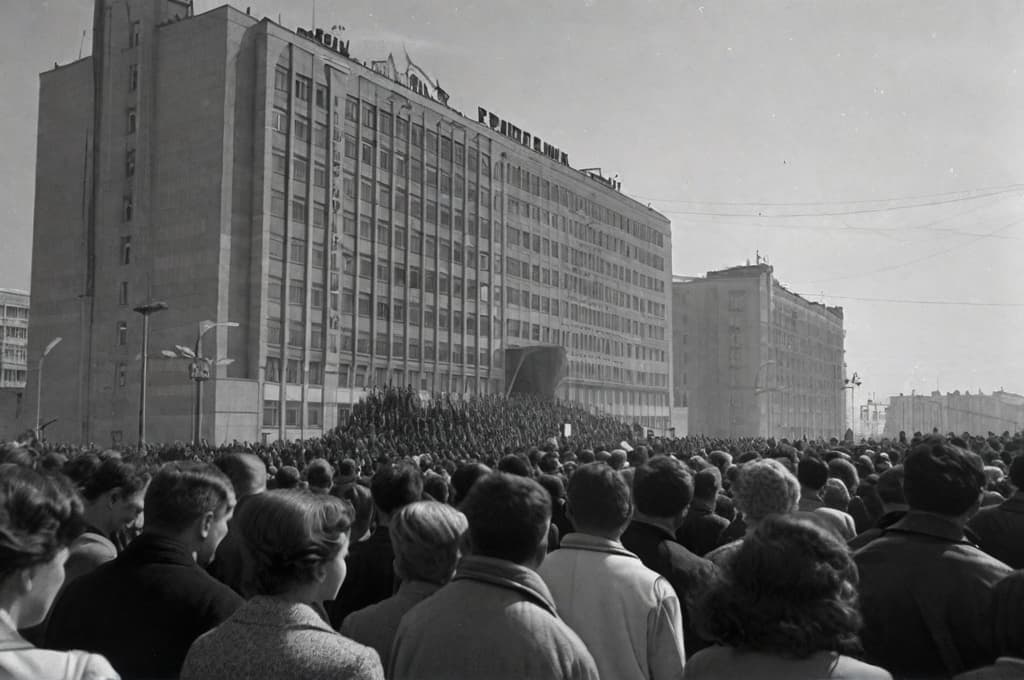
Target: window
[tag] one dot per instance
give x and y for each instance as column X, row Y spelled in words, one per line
column 321, row 96
column 129, row 163
column 364, row 304
column 276, row 247
column 319, row 175
column 273, row 332
column 352, row 109
column 279, row 121
column 122, row 295
column 314, row 414
column 126, row 250
column 317, row 296
column 292, row 411
column 277, row 203
column 281, row 79
column 273, row 372
column 302, row 128
column 274, row 288
column 296, row 334
column 302, row 88
column 296, row 292
column 271, row 412
column 399, row 275
column 398, row 309
column 370, row 116
column 297, row 251
column 383, row 310
column 316, row 336
column 132, row 121
column 299, row 210
column 320, row 136
column 300, row 169
column 122, row 333
column 279, row 163
column 128, row 208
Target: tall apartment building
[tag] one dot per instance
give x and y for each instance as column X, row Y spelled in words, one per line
column 14, row 305
column 358, row 229
column 755, row 359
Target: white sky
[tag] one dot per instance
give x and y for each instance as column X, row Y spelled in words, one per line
column 785, row 108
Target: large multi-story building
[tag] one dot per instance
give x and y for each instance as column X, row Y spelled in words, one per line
column 957, row 412
column 357, row 229
column 14, row 315
column 755, row 359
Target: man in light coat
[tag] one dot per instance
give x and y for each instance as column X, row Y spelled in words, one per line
column 628, row 615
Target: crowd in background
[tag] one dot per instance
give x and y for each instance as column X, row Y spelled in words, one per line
column 473, row 539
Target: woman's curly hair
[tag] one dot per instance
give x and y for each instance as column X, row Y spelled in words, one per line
column 287, row 533
column 39, row 514
column 790, row 589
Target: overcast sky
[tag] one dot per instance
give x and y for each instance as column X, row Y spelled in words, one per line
column 871, row 150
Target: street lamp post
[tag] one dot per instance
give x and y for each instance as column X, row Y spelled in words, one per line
column 39, row 383
column 145, row 310
column 852, row 383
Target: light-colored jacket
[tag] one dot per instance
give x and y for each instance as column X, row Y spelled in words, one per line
column 268, row 638
column 19, row 660
column 495, row 620
column 628, row 615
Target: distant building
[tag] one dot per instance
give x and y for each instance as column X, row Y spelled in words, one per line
column 358, row 230
column 14, row 318
column 871, row 423
column 752, row 358
column 954, row 412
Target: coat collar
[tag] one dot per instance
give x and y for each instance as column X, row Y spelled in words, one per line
column 929, row 524
column 639, row 525
column 156, row 548
column 506, row 574
column 1014, row 504
column 263, row 610
column 580, row 541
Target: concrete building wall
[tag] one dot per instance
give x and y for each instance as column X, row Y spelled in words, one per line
column 955, row 412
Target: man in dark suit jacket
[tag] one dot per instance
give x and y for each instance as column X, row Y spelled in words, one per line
column 702, row 528
column 1000, row 528
column 143, row 610
column 662, row 489
column 370, row 563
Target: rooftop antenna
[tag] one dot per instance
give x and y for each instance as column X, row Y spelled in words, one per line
column 81, row 44
column 314, row 15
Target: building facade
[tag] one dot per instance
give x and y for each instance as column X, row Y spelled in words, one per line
column 754, row 359
column 14, row 319
column 977, row 413
column 357, row 229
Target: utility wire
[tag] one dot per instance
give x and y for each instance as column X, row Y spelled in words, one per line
column 836, row 213
column 756, row 204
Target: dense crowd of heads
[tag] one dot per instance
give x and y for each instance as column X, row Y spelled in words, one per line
column 389, row 527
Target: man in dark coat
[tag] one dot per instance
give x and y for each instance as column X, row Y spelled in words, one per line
column 1000, row 528
column 925, row 590
column 662, row 490
column 143, row 610
column 702, row 527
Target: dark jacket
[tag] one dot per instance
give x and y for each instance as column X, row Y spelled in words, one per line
column 143, row 610
column 228, row 566
column 688, row 574
column 370, row 578
column 926, row 598
column 884, row 522
column 1000, row 530
column 701, row 528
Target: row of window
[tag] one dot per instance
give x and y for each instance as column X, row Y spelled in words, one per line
column 14, row 312
column 16, row 332
column 14, row 376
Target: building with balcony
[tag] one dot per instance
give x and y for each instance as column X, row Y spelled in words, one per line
column 14, row 318
column 752, row 358
column 358, row 229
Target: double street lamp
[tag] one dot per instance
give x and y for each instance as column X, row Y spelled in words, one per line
column 852, row 383
column 39, row 383
column 200, row 368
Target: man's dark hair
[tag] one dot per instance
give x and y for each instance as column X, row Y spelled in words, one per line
column 812, row 473
column 706, row 483
column 515, row 465
column 599, row 498
column 662, row 487
column 465, row 476
column 890, row 486
column 394, row 486
column 1017, row 472
column 508, row 517
column 247, row 472
column 942, row 478
column 181, row 493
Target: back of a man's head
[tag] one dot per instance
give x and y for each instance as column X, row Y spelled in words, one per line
column 181, row 493
column 662, row 487
column 319, row 475
column 248, row 474
column 395, row 486
column 942, row 478
column 812, row 473
column 707, row 483
column 508, row 518
column 890, row 486
column 599, row 500
column 1017, row 472
column 465, row 477
column 515, row 465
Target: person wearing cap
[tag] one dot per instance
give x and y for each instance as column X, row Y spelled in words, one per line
column 1000, row 528
column 496, row 619
column 628, row 615
column 926, row 591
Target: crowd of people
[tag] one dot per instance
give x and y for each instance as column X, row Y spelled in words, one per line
column 474, row 540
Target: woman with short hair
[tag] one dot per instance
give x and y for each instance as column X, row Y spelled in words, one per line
column 784, row 605
column 426, row 536
column 296, row 543
column 40, row 516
